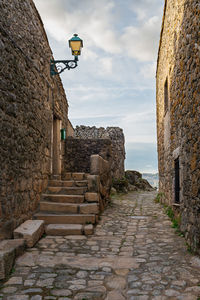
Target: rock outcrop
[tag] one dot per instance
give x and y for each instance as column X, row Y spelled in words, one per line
column 132, row 181
column 136, row 182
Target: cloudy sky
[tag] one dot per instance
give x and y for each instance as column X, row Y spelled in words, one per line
column 114, row 83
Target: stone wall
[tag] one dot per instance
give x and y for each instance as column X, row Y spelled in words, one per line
column 30, row 100
column 70, row 129
column 115, row 134
column 178, row 115
column 78, row 152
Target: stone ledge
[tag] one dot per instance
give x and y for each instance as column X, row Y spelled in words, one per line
column 9, row 250
column 31, row 231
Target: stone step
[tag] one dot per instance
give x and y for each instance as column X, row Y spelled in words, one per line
column 69, row 229
column 64, row 229
column 74, row 176
column 63, row 198
column 89, row 208
column 86, row 208
column 66, row 190
column 68, row 183
column 50, row 218
column 58, row 207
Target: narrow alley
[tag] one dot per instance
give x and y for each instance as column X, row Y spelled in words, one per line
column 134, row 254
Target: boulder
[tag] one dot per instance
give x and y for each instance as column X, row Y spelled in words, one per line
column 136, row 182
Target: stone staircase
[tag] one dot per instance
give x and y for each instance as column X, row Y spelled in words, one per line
column 67, row 208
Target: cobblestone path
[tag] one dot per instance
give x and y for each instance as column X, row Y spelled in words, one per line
column 134, row 254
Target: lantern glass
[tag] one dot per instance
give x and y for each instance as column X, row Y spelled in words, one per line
column 76, row 44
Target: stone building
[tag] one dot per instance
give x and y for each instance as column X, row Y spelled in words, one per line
column 178, row 114
column 33, row 109
column 42, row 176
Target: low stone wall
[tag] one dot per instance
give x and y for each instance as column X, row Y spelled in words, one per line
column 78, row 151
column 115, row 134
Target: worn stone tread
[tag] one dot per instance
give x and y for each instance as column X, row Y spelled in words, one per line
column 64, row 229
column 58, row 207
column 66, row 190
column 64, row 198
column 68, row 183
column 50, row 218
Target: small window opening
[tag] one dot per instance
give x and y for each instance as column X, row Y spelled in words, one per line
column 166, row 96
column 177, row 180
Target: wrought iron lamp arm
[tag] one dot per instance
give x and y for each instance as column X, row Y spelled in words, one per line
column 58, row 66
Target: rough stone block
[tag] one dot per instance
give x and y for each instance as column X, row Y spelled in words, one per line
column 18, row 245
column 88, row 229
column 6, row 229
column 92, row 197
column 78, row 176
column 94, row 164
column 31, row 231
column 91, row 208
column 93, row 183
column 9, row 249
column 7, row 258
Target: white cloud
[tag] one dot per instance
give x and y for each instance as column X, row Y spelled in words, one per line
column 88, row 54
column 106, row 65
column 91, row 19
column 144, row 9
column 139, row 127
column 96, row 24
column 142, row 42
column 148, row 70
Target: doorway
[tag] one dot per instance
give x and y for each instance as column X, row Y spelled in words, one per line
column 177, row 180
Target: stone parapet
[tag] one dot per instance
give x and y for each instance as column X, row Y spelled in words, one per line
column 116, row 136
column 78, row 151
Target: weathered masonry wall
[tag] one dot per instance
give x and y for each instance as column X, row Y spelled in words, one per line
column 70, row 129
column 178, row 114
column 78, row 152
column 30, row 102
column 115, row 134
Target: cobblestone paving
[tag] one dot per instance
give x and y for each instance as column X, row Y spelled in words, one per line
column 134, row 254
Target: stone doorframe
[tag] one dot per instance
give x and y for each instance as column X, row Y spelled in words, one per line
column 177, row 155
column 56, row 146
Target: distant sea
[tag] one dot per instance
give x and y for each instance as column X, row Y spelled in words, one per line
column 152, row 178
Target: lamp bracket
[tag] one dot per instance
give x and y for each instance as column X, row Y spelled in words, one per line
column 58, row 66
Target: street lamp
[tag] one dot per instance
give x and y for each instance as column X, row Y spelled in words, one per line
column 58, row 66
